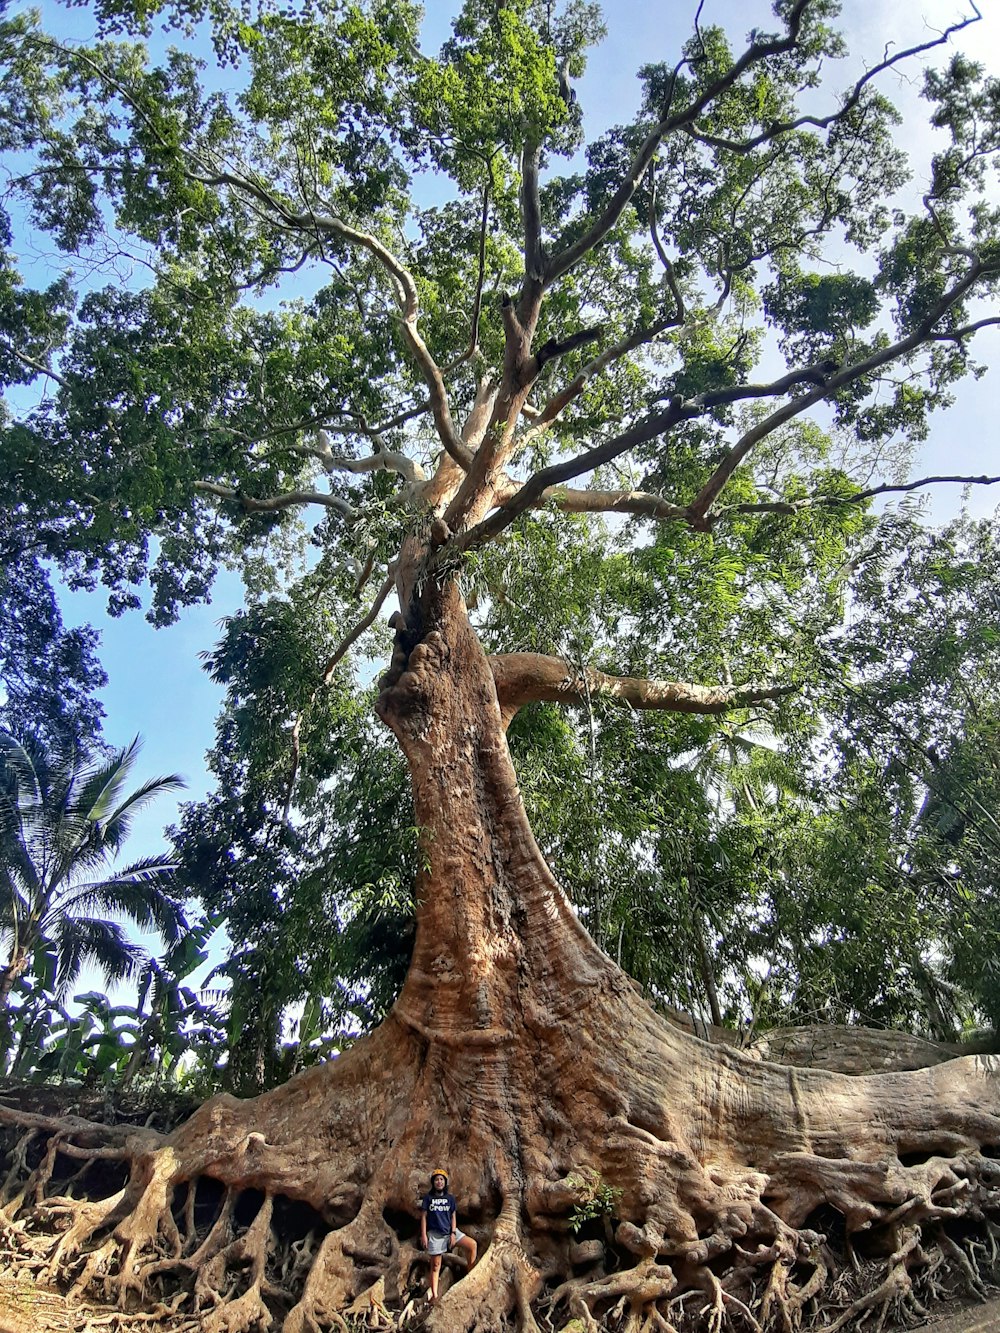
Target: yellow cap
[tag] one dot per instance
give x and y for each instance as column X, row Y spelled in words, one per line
column 439, row 1171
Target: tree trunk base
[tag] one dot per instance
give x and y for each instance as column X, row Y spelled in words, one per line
column 737, row 1194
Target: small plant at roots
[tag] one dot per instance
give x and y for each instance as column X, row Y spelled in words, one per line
column 595, row 1198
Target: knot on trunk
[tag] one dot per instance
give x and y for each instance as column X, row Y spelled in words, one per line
column 407, row 686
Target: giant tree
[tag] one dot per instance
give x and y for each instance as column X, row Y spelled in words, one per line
column 548, row 369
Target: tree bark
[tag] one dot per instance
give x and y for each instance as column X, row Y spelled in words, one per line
column 523, row 1059
column 705, row 966
column 10, row 974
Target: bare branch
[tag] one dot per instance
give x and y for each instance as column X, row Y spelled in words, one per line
column 523, row 678
column 825, row 388
column 481, row 414
column 528, row 497
column 272, row 270
column 850, row 101
column 831, row 501
column 530, row 494
column 818, row 375
column 544, row 418
column 654, row 232
column 385, row 459
column 557, row 347
column 272, row 503
column 643, row 504
column 39, row 367
column 956, row 335
column 477, row 300
column 353, row 635
column 531, row 215
column 364, row 573
column 406, row 291
column 318, row 419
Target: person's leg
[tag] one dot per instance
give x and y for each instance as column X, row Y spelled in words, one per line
column 469, row 1248
column 435, row 1271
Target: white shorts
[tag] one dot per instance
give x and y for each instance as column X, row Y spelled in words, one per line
column 440, row 1244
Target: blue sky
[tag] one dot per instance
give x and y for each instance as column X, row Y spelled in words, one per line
column 156, row 684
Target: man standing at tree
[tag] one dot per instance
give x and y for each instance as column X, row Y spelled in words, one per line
column 438, row 1228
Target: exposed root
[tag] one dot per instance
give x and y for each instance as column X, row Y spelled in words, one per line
column 224, row 1275
column 213, row 1230
column 895, row 1288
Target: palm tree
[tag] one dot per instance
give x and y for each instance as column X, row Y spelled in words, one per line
column 63, row 821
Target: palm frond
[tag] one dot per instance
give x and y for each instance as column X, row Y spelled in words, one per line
column 23, row 768
column 18, row 875
column 14, row 903
column 107, row 813
column 91, row 940
column 137, row 891
column 98, row 789
column 147, row 792
column 63, row 819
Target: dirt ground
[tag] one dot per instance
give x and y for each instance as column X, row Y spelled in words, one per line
column 978, row 1318
column 26, row 1307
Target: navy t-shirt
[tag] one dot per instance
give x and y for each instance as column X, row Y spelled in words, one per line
column 439, row 1208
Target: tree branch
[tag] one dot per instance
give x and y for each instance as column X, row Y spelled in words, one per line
column 544, row 418
column 825, row 388
column 273, row 503
column 830, row 501
column 531, row 215
column 311, row 221
column 529, row 495
column 643, row 504
column 406, row 292
column 477, row 300
column 956, row 335
column 697, row 513
column 744, row 146
column 554, row 348
column 385, row 459
column 664, row 258
column 338, row 654
column 354, row 634
column 523, row 678
column 565, row 260
column 39, row 367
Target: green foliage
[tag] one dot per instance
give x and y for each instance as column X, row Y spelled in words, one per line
column 307, row 848
column 170, row 1036
column 48, row 673
column 596, row 1199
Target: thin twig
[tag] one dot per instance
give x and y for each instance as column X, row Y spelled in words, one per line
column 353, row 635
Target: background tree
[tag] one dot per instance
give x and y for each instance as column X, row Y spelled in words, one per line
column 477, row 388
column 63, row 822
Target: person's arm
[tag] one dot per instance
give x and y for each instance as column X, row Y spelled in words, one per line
column 423, row 1227
column 454, row 1228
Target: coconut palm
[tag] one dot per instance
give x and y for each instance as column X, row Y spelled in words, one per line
column 63, row 821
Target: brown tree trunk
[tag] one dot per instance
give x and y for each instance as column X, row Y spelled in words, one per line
column 9, row 977
column 705, row 967
column 522, row 1058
